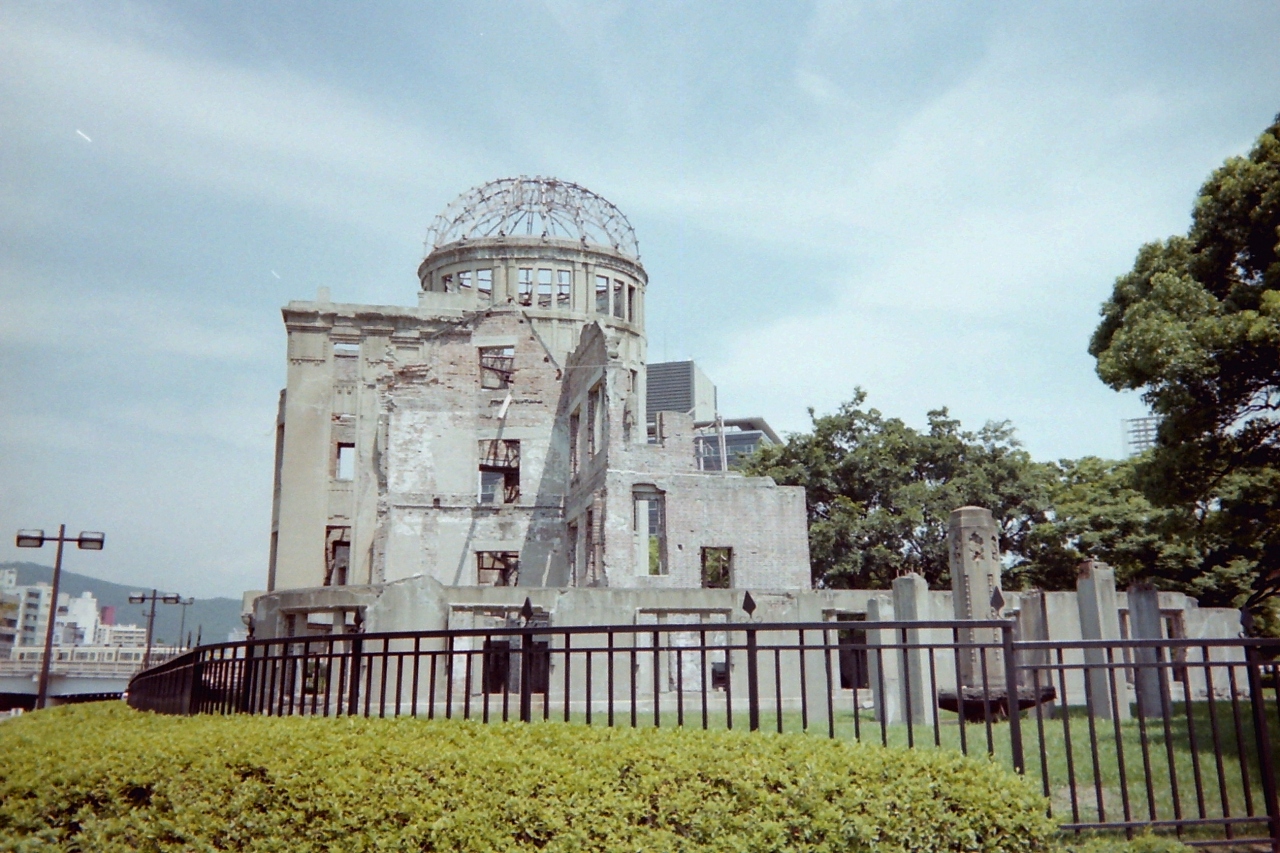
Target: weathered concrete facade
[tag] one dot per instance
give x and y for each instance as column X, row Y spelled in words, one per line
column 494, row 434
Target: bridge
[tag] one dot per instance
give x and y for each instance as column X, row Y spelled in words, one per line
column 70, row 680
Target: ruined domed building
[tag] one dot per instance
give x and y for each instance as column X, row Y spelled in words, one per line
column 495, row 434
column 440, row 465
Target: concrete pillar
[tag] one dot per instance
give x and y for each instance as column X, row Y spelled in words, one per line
column 1100, row 620
column 1033, row 626
column 882, row 665
column 973, row 541
column 916, row 689
column 1144, row 624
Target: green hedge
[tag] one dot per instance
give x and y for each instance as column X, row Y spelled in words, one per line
column 105, row 778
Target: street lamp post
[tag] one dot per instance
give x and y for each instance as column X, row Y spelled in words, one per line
column 86, row 541
column 139, row 598
column 182, row 625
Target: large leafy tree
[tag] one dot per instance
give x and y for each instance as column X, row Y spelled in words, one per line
column 1098, row 512
column 879, row 493
column 1195, row 325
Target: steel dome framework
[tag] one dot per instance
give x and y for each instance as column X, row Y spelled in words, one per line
column 537, row 207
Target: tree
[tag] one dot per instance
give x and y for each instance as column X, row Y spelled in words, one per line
column 1099, row 513
column 1196, row 326
column 879, row 493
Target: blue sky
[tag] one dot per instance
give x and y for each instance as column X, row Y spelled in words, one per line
column 929, row 200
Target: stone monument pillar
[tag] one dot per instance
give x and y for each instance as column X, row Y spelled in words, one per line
column 1144, row 624
column 911, row 603
column 1100, row 620
column 973, row 541
column 882, row 664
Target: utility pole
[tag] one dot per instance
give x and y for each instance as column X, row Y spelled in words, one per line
column 182, row 625
column 166, row 598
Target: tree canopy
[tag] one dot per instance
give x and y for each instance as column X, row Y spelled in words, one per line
column 879, row 493
column 1195, row 325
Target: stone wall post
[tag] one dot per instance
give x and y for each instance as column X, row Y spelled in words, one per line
column 973, row 541
column 916, row 689
column 1100, row 620
column 882, row 665
column 1144, row 624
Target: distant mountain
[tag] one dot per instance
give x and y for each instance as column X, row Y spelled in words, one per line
column 210, row 618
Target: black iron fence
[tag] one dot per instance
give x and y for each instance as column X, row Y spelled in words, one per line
column 1172, row 734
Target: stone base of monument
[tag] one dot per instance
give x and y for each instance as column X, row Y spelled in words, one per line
column 978, row 703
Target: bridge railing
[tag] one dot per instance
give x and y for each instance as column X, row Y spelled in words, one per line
column 1173, row 734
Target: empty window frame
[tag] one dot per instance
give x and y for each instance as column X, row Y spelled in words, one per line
column 344, row 462
column 602, row 294
column 619, row 299
column 497, row 366
column 593, row 422
column 544, row 288
column 631, row 303
column 337, row 555
column 499, row 471
column 572, row 557
column 497, row 568
column 464, row 281
column 497, row 675
column 590, row 551
column 484, row 285
column 650, row 525
column 717, row 568
column 446, row 282
column 854, row 669
column 575, row 439
column 525, row 292
column 564, row 289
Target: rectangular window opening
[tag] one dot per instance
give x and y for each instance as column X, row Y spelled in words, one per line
column 497, row 365
column 602, row 294
column 464, row 281
column 446, row 282
column 345, row 463
column 619, row 294
column 564, row 289
column 649, row 523
column 484, row 284
column 499, row 471
column 717, row 568
column 572, row 557
column 337, row 556
column 497, row 568
column 589, row 549
column 526, row 286
column 593, row 422
column 544, row 288
column 854, row 671
column 631, row 303
column 719, row 675
column 575, row 427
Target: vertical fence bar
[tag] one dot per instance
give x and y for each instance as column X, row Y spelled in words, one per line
column 753, row 683
column 657, row 670
column 413, row 699
column 1241, row 750
column 831, row 690
column 1262, row 740
column 353, row 682
column 1012, row 698
column 566, row 678
column 526, row 675
column 955, row 645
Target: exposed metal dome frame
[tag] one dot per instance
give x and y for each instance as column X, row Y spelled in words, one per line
column 538, row 207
